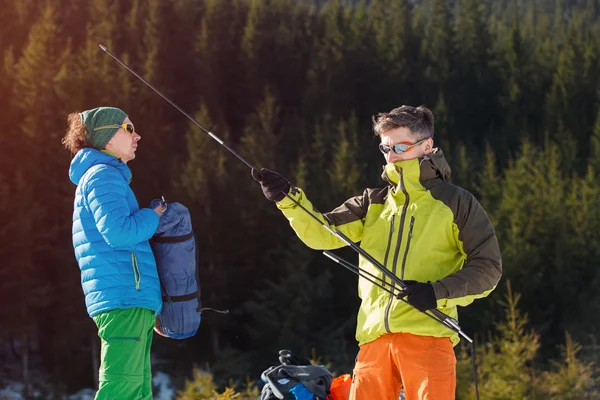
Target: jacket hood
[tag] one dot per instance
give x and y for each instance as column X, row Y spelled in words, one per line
column 87, row 158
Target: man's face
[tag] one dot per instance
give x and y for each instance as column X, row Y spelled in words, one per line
column 405, row 136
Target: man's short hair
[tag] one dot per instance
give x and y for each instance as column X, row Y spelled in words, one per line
column 419, row 120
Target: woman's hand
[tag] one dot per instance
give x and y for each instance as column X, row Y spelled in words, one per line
column 157, row 330
column 160, row 209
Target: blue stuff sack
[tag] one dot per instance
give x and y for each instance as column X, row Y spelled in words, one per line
column 176, row 253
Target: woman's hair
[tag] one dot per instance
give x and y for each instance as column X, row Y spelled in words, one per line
column 75, row 138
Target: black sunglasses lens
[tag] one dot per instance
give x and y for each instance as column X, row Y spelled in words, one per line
column 129, row 129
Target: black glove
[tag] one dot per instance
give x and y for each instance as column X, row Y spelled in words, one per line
column 274, row 186
column 419, row 295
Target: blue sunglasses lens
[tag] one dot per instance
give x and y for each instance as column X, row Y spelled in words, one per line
column 398, row 148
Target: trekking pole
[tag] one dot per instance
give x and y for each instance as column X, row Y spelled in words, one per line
column 447, row 320
column 361, row 272
column 367, row 275
column 370, row 277
column 437, row 315
column 443, row 318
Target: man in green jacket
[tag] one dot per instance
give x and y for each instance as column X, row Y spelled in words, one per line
column 433, row 235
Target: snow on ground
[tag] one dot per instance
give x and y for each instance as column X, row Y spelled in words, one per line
column 13, row 392
column 161, row 382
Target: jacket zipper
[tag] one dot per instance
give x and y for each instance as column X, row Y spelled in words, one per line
column 387, row 251
column 389, row 243
column 136, row 271
column 108, row 339
column 410, row 229
column 397, row 251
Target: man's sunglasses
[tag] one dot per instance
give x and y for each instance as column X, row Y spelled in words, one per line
column 129, row 128
column 400, row 148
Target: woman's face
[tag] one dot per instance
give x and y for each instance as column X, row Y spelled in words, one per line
column 123, row 144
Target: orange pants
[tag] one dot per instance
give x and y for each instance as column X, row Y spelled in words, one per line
column 424, row 366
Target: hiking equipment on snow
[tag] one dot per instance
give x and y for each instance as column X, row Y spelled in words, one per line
column 435, row 314
column 176, row 253
column 340, row 388
column 295, row 379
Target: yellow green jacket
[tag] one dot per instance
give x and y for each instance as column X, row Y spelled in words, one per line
column 421, row 228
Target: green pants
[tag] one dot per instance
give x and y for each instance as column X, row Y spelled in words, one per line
column 126, row 336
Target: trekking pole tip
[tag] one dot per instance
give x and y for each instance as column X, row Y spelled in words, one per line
column 102, row 47
column 329, row 255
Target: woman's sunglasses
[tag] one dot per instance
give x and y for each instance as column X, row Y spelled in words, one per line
column 128, row 127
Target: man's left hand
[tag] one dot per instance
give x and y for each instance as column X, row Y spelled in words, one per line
column 419, row 295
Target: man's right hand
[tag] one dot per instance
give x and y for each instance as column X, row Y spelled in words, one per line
column 274, row 186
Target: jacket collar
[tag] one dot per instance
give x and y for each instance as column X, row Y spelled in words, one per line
column 88, row 157
column 418, row 173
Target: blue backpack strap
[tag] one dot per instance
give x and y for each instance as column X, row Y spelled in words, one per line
column 189, row 296
column 178, row 239
column 172, row 239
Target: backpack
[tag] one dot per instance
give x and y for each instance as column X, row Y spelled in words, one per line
column 295, row 379
column 176, row 253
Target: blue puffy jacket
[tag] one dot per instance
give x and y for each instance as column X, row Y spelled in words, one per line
column 110, row 236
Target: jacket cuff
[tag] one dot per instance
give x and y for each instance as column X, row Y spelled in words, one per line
column 441, row 294
column 286, row 202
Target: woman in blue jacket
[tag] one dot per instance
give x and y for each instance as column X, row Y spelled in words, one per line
column 110, row 238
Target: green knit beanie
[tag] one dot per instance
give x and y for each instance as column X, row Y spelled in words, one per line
column 99, row 118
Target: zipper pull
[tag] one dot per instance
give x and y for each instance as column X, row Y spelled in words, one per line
column 399, row 171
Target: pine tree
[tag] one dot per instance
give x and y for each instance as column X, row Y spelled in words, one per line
column 327, row 77
column 443, row 124
column 395, row 51
column 359, row 47
column 437, row 49
column 95, row 70
column 317, row 161
column 9, row 118
column 155, row 119
column 595, row 146
column 15, row 21
column 345, row 170
column 474, row 76
column 489, row 186
column 260, row 139
column 26, row 293
column 204, row 387
column 571, row 379
column 303, row 320
column 462, row 171
column 218, row 46
column 255, row 40
column 503, row 364
column 203, row 188
column 35, row 74
column 535, row 229
column 515, row 78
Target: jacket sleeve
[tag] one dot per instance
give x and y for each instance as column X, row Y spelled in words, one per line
column 482, row 270
column 106, row 196
column 348, row 218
